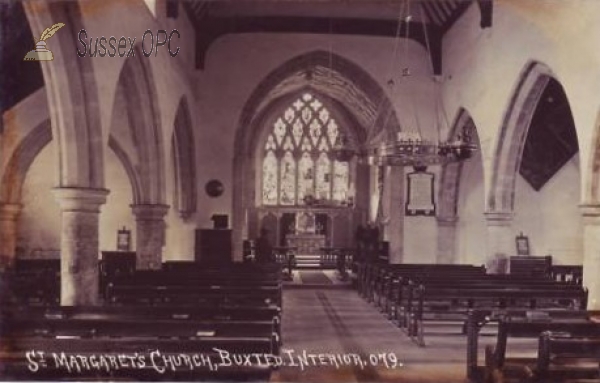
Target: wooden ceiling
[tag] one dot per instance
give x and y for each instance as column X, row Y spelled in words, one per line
column 213, row 19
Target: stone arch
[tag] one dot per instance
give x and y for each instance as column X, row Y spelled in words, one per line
column 450, row 178
column 23, row 156
column 184, row 161
column 72, row 97
column 130, row 169
column 137, row 84
column 331, row 75
column 513, row 132
column 592, row 191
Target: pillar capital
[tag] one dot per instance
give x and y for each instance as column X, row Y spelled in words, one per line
column 590, row 213
column 150, row 212
column 80, row 199
column 498, row 218
column 10, row 211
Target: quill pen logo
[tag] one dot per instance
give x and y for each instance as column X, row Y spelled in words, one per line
column 41, row 52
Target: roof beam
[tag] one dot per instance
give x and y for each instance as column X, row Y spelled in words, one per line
column 486, row 8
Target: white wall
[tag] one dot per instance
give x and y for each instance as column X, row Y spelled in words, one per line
column 482, row 67
column 235, row 66
column 470, row 227
column 116, row 213
column 550, row 217
column 39, row 224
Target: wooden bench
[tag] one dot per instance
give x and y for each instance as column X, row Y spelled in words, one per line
column 101, row 331
column 386, row 287
column 520, row 323
column 406, row 294
column 377, row 278
column 458, row 301
column 180, row 314
column 530, row 266
column 564, row 356
column 194, row 285
column 41, row 288
column 567, row 273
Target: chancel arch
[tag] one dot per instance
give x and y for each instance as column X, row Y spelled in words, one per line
column 357, row 101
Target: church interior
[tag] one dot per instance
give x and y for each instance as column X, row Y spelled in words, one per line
column 300, row 190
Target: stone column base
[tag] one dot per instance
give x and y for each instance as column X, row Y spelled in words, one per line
column 591, row 253
column 150, row 235
column 80, row 213
column 500, row 241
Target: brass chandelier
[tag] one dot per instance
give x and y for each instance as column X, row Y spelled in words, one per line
column 407, row 148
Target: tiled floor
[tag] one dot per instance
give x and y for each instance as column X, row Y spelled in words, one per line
column 339, row 322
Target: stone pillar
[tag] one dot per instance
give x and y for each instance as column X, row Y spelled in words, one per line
column 80, row 213
column 393, row 211
column 446, row 245
column 9, row 215
column 150, row 234
column 500, row 241
column 591, row 253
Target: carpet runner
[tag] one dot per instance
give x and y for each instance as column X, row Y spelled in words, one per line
column 314, row 278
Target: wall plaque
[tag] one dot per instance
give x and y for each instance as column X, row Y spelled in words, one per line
column 420, row 193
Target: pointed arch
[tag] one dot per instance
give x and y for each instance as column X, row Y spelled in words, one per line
column 513, row 132
column 137, row 83
column 11, row 187
column 183, row 154
column 451, row 173
column 72, row 97
column 130, row 170
column 359, row 97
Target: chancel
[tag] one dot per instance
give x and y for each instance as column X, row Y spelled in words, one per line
column 307, row 191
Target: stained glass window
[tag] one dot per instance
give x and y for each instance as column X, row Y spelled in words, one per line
column 298, row 160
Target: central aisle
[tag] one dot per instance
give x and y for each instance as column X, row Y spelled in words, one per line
column 339, row 323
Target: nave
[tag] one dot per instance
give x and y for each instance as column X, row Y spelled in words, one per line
column 338, row 321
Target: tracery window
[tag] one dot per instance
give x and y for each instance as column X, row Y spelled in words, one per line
column 298, row 162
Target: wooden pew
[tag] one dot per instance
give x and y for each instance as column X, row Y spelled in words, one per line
column 377, row 277
column 567, row 273
column 531, row 266
column 197, row 358
column 459, row 300
column 79, row 331
column 180, row 314
column 520, row 323
column 406, row 294
column 390, row 279
column 193, row 295
column 564, row 356
column 29, row 288
column 196, row 284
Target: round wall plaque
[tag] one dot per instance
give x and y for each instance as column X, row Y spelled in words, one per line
column 214, row 188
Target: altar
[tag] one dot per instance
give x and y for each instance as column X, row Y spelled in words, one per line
column 306, row 243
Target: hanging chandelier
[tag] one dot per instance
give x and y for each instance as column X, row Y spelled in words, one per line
column 407, row 147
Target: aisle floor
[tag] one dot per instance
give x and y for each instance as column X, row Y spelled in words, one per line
column 339, row 323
